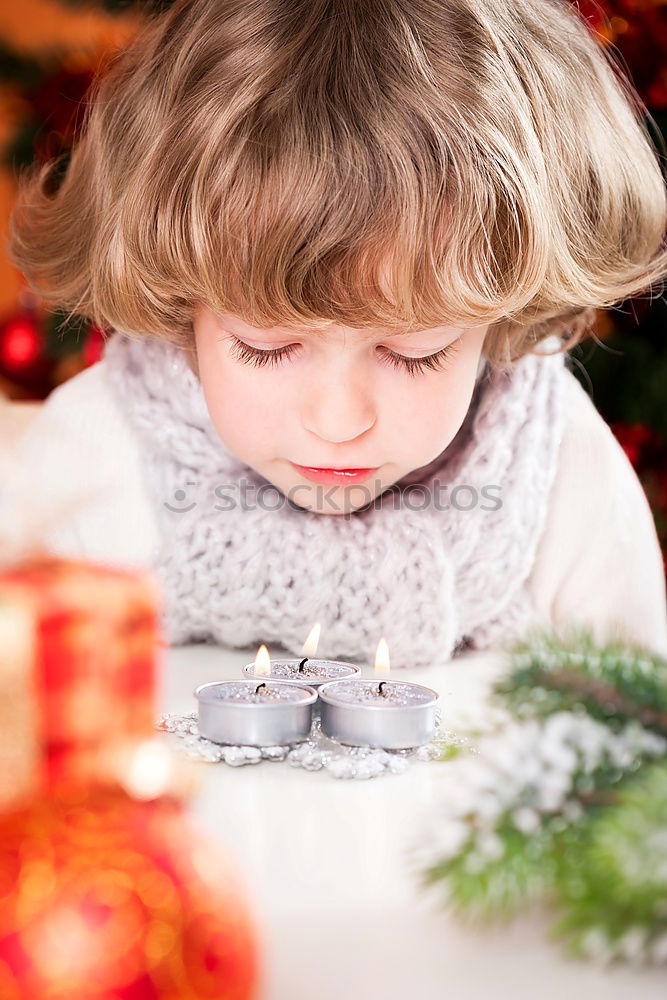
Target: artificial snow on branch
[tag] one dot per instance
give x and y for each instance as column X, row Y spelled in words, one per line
column 567, row 803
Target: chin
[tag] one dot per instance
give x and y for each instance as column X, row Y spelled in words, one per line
column 344, row 504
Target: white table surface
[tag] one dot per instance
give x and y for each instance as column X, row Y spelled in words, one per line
column 324, row 860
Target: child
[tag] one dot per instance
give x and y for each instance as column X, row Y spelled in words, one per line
column 353, row 235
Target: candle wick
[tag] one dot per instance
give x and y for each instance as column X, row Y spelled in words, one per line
column 381, row 686
column 259, row 687
column 300, row 667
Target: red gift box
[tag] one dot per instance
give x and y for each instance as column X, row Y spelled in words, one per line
column 79, row 649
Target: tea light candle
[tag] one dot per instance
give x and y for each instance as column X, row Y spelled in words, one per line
column 255, row 713
column 391, row 714
column 307, row 670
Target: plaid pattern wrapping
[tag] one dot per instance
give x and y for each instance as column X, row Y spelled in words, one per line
column 79, row 651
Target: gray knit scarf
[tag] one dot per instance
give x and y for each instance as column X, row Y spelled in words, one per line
column 437, row 563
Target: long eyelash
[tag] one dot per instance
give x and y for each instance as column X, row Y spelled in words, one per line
column 252, row 356
column 413, row 366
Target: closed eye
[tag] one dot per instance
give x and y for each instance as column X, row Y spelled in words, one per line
column 413, row 366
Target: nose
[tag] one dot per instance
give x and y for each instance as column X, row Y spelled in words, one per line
column 338, row 407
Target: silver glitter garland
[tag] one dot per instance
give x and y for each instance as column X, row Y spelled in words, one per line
column 317, row 753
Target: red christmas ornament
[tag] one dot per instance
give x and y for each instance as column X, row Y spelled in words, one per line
column 20, row 343
column 106, row 898
column 94, row 346
column 633, row 438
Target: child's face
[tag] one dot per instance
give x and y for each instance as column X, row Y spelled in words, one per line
column 337, row 402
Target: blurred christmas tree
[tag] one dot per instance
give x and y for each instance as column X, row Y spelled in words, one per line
column 626, row 374
column 624, row 367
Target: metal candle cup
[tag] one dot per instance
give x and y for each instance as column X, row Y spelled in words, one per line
column 314, row 672
column 255, row 713
column 391, row 714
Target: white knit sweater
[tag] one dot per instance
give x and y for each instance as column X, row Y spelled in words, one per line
column 598, row 560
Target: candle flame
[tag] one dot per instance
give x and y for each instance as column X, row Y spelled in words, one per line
column 262, row 661
column 382, row 657
column 310, row 645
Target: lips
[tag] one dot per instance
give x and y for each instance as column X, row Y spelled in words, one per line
column 318, row 475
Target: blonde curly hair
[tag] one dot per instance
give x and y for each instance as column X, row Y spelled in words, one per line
column 365, row 162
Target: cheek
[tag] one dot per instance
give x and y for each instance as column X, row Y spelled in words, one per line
column 425, row 415
column 427, row 422
column 242, row 406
